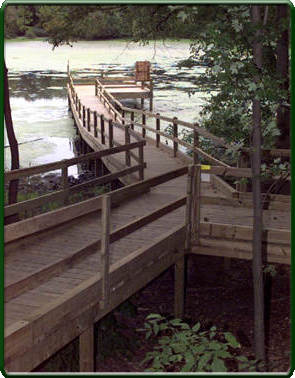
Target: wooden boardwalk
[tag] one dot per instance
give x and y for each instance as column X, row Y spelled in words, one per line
column 53, row 274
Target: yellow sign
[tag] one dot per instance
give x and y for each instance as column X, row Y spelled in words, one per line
column 205, row 167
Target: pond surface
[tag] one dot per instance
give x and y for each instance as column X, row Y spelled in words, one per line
column 37, row 79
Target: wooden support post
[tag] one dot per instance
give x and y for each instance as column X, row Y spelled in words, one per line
column 175, row 135
column 132, row 120
column 77, row 102
column 123, row 117
column 179, row 287
column 158, row 129
column 141, row 161
column 105, row 250
column 111, row 134
column 98, row 167
column 127, row 141
column 196, row 144
column 143, row 123
column 88, row 119
column 142, row 103
column 103, row 141
column 151, row 96
column 196, row 205
column 96, row 88
column 65, row 183
column 86, row 350
column 84, row 114
column 188, row 208
column 95, row 124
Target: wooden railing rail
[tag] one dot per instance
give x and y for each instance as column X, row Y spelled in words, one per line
column 66, row 190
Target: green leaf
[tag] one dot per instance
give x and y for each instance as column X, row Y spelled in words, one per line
column 203, row 361
column 189, row 362
column 196, row 327
column 218, row 365
column 154, row 316
column 232, row 341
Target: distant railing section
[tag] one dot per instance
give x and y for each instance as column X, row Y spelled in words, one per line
column 120, row 113
column 97, row 123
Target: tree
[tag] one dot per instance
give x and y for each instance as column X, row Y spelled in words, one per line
column 13, row 185
column 257, row 269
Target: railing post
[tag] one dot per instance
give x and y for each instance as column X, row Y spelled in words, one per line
column 141, row 162
column 175, row 135
column 123, row 117
column 95, row 123
column 96, row 88
column 111, row 134
column 105, row 249
column 88, row 119
column 143, row 123
column 188, row 208
column 132, row 120
column 196, row 144
column 84, row 123
column 65, row 183
column 196, row 205
column 80, row 109
column 76, row 101
column 103, row 141
column 127, row 141
column 158, row 129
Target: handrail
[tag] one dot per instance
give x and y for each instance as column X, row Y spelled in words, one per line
column 24, row 172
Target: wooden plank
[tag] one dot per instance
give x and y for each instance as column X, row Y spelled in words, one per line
column 235, row 232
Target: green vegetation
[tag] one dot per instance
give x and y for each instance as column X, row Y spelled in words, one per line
column 183, row 348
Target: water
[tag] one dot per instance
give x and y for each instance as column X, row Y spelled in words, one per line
column 37, row 78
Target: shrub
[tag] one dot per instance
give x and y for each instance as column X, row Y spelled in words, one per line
column 190, row 349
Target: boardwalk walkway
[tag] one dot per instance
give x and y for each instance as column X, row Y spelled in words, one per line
column 53, row 279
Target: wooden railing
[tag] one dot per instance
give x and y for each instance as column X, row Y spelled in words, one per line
column 100, row 123
column 119, row 111
column 62, row 195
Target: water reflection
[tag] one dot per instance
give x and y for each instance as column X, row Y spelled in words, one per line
column 39, row 98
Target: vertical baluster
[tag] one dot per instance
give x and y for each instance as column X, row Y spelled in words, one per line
column 158, row 129
column 95, row 124
column 132, row 120
column 123, row 117
column 88, row 119
column 83, row 119
column 80, row 109
column 111, row 134
column 141, row 162
column 102, row 129
column 143, row 123
column 175, row 135
column 127, row 141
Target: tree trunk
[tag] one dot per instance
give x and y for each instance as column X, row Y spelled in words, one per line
column 282, row 68
column 13, row 185
column 259, row 332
